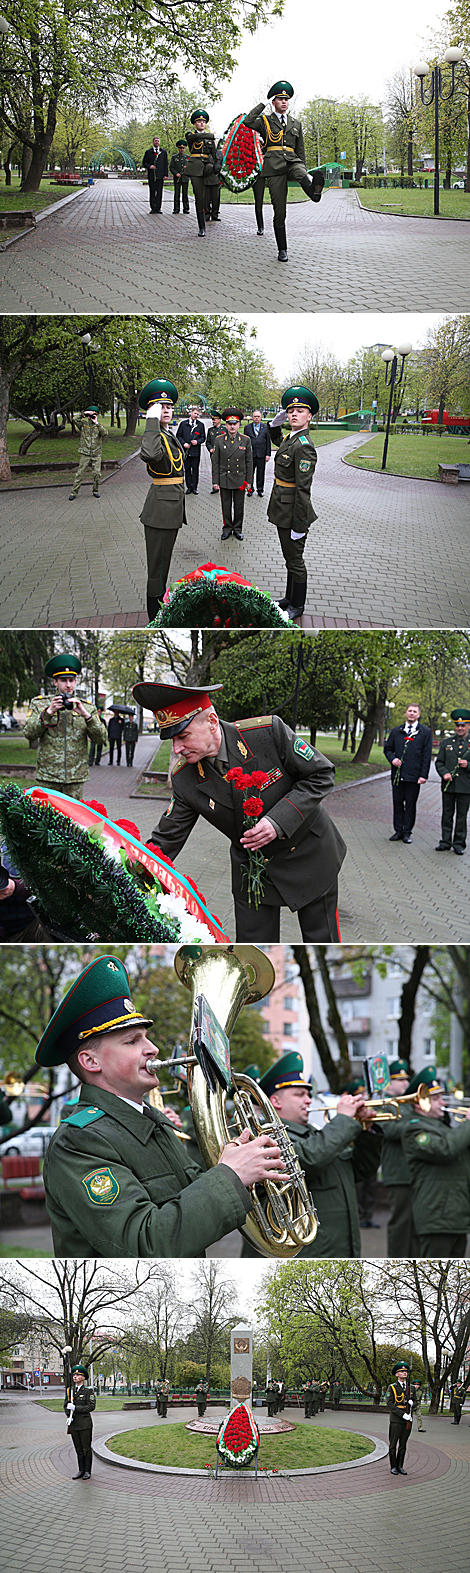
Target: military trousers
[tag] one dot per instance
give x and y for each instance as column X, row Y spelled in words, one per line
column 85, row 463
column 457, row 803
column 197, row 182
column 278, row 183
column 293, row 554
column 159, row 546
column 130, row 750
column 437, row 1245
column 180, row 193
column 233, row 507
column 70, row 789
column 398, row 1433
column 212, row 200
column 318, row 920
column 81, row 1438
column 258, row 193
column 405, row 798
column 402, row 1239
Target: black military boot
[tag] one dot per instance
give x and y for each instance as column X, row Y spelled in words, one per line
column 154, row 602
column 400, row 1462
column 81, row 1467
column 87, row 1469
column 281, row 240
column 318, row 181
column 298, row 598
column 287, row 598
column 392, row 1453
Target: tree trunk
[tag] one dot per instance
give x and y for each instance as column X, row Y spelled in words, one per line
column 374, row 720
column 335, row 1070
column 132, row 413
column 32, row 178
column 408, row 1001
column 5, row 471
column 346, row 733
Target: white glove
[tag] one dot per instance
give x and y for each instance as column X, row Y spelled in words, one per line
column 154, row 411
column 278, row 420
column 296, row 537
column 70, row 1405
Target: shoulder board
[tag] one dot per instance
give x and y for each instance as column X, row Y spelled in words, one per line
column 254, row 721
column 85, row 1116
column 179, row 766
column 415, row 1120
column 304, row 439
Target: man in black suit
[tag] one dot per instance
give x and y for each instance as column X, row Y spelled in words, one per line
column 260, row 440
column 191, row 434
column 155, row 161
column 408, row 749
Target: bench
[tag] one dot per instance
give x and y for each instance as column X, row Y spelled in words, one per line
column 451, row 474
column 22, row 1175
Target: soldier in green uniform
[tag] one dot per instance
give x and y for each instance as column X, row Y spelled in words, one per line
column 118, row 1181
column 302, row 849
column 459, row 1393
column 307, row 1391
column 179, row 170
column 283, row 156
column 232, row 472
column 396, row 1175
column 79, row 1407
column 131, row 735
column 63, row 728
column 214, row 431
column 272, row 1397
column 400, row 1400
column 202, row 160
column 163, row 512
column 92, row 436
column 290, row 506
column 439, row 1160
column 202, row 1394
column 323, row 1393
column 453, row 766
column 332, row 1158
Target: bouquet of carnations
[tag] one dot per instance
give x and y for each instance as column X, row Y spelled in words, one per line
column 252, row 810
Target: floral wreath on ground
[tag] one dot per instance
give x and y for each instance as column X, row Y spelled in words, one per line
column 212, row 597
column 238, row 1438
column 241, row 156
column 95, row 878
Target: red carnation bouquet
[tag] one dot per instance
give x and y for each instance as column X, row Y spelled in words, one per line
column 252, row 810
column 242, row 158
column 238, row 1438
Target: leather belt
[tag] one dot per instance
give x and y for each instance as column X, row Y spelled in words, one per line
column 167, row 482
column 290, row 484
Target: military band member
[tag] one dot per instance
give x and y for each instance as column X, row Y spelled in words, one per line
column 396, row 1174
column 163, row 512
column 453, row 766
column 290, row 506
column 232, row 472
column 179, row 170
column 92, row 436
column 163, row 1393
column 302, row 849
column 322, row 1395
column 283, row 156
column 307, row 1391
column 438, row 1158
column 118, row 1181
column 63, row 728
column 459, row 1394
column 272, row 1397
column 202, row 161
column 400, row 1401
column 417, row 1406
column 79, row 1407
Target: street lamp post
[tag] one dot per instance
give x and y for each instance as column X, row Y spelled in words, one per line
column 391, row 359
column 83, row 155
column 452, row 58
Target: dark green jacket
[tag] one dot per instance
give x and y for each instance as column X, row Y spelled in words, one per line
column 395, row 1169
column 396, row 1398
column 85, row 1402
column 439, row 1160
column 119, row 1183
column 333, row 1159
column 450, row 751
column 279, row 148
column 232, row 461
column 308, row 853
column 290, row 504
column 202, row 153
column 162, row 453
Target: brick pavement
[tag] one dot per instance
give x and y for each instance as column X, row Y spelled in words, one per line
column 324, row 1523
column 386, row 551
column 106, row 252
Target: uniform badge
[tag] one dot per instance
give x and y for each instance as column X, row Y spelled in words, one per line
column 170, row 807
column 423, row 1138
column 128, row 1005
column 305, row 464
column 300, row 747
column 111, row 966
column 242, row 749
column 211, row 803
column 101, row 1186
column 200, row 770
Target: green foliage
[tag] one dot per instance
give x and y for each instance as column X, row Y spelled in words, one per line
column 21, row 665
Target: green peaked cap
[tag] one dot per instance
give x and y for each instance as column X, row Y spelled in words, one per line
column 63, row 665
column 281, row 87
column 286, row 1072
column 97, row 1002
column 299, row 397
column 158, row 388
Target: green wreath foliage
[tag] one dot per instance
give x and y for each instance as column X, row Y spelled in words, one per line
column 206, row 605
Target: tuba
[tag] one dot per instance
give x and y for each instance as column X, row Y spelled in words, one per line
column 283, row 1218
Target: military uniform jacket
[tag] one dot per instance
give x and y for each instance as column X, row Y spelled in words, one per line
column 280, row 145
column 451, row 750
column 92, row 435
column 232, row 461
column 439, row 1160
column 290, row 505
column 333, row 1159
column 395, row 1168
column 397, row 1398
column 162, row 453
column 414, row 752
column 119, row 1183
column 131, row 731
column 213, row 433
column 62, row 741
column 304, row 862
column 202, row 153
column 179, row 166
column 85, row 1402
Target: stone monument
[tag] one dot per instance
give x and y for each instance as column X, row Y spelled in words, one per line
column 241, row 1365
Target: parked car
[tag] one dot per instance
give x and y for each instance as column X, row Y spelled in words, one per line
column 28, row 1144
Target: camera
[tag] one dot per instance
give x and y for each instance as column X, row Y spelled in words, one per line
column 67, row 704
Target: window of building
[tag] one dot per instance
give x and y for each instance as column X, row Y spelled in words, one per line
column 393, row 1006
column 289, row 1002
column 429, row 1048
column 288, row 1029
column 392, row 1049
column 357, row 1049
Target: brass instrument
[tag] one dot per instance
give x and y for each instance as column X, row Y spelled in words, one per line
column 284, row 1219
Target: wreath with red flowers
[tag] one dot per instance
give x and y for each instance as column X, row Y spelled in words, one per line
column 238, row 1438
column 242, row 158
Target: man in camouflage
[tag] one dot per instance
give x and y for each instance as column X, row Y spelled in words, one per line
column 92, row 436
column 63, row 729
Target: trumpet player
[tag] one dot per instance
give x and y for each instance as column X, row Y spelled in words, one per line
column 118, row 1181
column 439, row 1161
column 63, row 729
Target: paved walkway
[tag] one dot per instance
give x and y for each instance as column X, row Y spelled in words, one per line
column 343, row 1522
column 385, row 552
column 106, row 252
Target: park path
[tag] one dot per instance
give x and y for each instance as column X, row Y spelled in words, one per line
column 320, row 1523
column 105, row 251
column 385, row 551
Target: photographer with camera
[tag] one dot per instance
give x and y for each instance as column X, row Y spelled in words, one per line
column 63, row 728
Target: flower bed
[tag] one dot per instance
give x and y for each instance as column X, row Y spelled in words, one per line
column 212, row 597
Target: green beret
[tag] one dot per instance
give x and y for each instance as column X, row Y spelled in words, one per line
column 158, row 388
column 401, row 1365
column 428, row 1076
column 281, row 87
column 295, row 398
column 460, row 715
column 97, row 1002
column 287, row 1072
column 63, row 665
column 200, row 114
column 83, row 1368
column 399, row 1068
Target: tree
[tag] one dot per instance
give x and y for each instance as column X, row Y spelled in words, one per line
column 22, row 657
column 402, row 118
column 432, row 1301
column 213, row 1301
column 24, row 342
column 365, row 121
column 446, row 358
column 73, row 1298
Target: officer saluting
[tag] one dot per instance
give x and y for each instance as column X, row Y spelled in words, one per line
column 63, row 728
column 163, row 512
column 290, row 506
column 453, row 766
column 283, row 156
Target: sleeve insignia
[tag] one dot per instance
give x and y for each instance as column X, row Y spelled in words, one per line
column 303, row 748
column 423, row 1138
column 170, row 807
column 305, row 464
column 101, row 1186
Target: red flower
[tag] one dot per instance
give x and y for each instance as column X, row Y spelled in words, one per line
column 245, row 782
column 235, row 775
column 253, row 806
column 258, row 778
column 98, row 807
column 128, row 825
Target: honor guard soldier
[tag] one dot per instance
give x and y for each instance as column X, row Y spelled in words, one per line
column 400, row 1400
column 63, row 729
column 283, row 156
column 118, row 1181
column 453, row 766
column 202, row 161
column 163, row 512
column 302, row 849
column 179, row 170
column 92, row 436
column 232, row 472
column 439, row 1160
column 79, row 1407
column 290, row 506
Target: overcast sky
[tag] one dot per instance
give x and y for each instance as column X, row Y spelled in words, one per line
column 284, row 338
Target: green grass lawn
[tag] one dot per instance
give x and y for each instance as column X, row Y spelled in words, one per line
column 65, row 448
column 416, row 204
column 417, row 457
column 294, row 194
column 306, row 1447
column 346, row 769
column 14, row 200
column 15, row 750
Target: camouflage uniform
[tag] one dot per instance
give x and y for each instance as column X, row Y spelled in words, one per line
column 62, row 760
column 92, row 434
